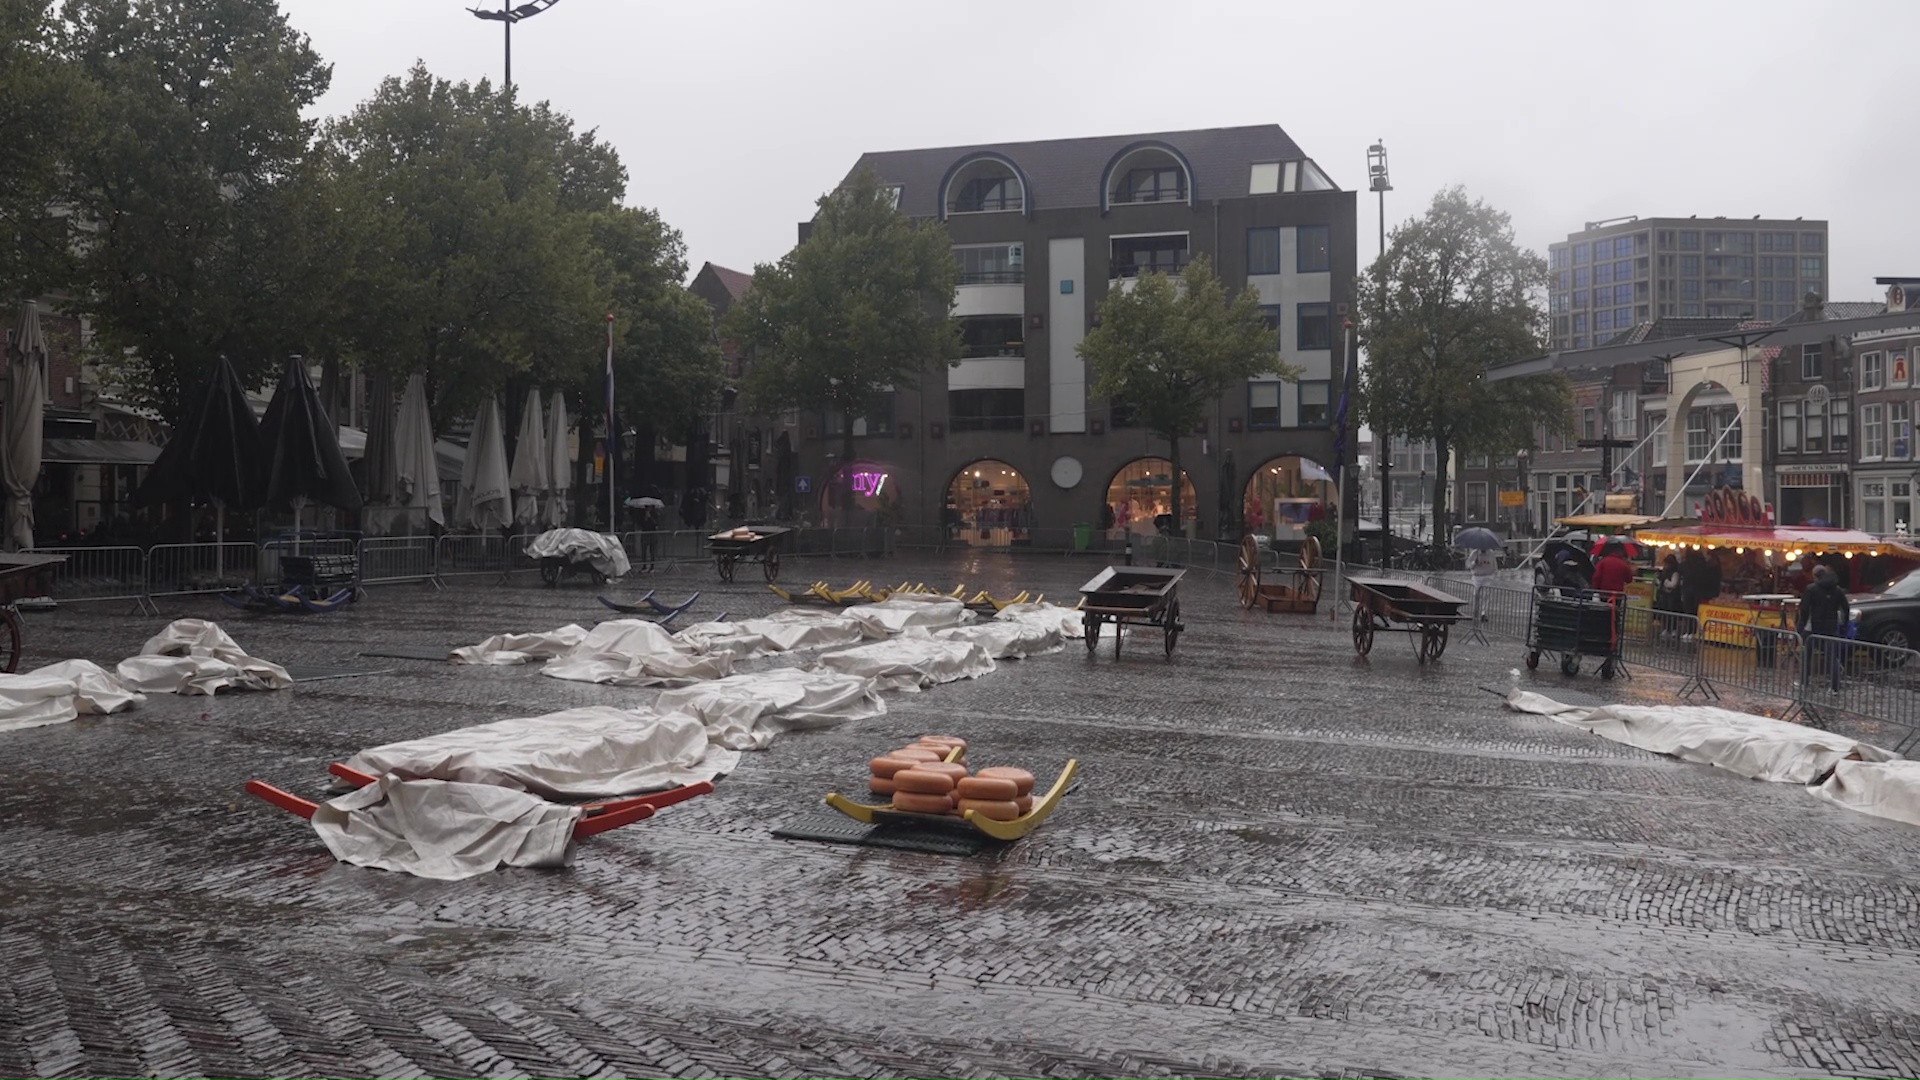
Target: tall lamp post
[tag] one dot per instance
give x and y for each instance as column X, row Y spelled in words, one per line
column 1378, row 183
column 508, row 15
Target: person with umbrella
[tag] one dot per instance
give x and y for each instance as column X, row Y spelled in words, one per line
column 1480, row 545
column 1614, row 572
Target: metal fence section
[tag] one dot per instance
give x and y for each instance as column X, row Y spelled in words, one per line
column 1755, row 659
column 100, row 573
column 468, row 554
column 386, row 560
column 1667, row 641
column 179, row 569
column 1861, row 678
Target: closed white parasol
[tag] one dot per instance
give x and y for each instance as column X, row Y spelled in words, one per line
column 528, row 477
column 559, row 462
column 416, row 475
column 485, row 498
column 26, row 402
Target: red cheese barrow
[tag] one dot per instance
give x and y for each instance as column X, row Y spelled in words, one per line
column 600, row 816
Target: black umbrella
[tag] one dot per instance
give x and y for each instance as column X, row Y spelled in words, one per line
column 304, row 462
column 213, row 456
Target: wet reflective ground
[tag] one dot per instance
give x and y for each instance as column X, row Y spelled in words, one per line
column 1280, row 861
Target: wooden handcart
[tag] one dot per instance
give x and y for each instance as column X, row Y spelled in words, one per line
column 1143, row 595
column 22, row 577
column 1403, row 607
column 760, row 543
column 1299, row 590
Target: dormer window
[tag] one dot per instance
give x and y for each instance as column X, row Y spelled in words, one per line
column 1167, row 184
column 985, row 186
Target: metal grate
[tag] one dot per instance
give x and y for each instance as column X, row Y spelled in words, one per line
column 839, row 829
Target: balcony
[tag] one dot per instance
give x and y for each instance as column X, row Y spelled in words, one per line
column 1131, row 268
column 1004, row 276
column 995, row 203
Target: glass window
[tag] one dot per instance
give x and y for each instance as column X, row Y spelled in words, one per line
column 1873, row 434
column 1876, row 515
column 1789, row 427
column 1726, row 424
column 1581, row 253
column 1689, row 240
column 1716, row 241
column 990, row 264
column 1163, row 184
column 1810, row 266
column 1602, row 273
column 991, row 335
column 1899, row 431
column 1580, row 298
column 1314, row 402
column 1622, row 271
column 1689, row 266
column 1625, row 415
column 1665, row 239
column 1315, row 326
column 1602, row 320
column 1564, row 281
column 1839, row 420
column 1476, row 500
column 1622, row 318
column 1816, row 429
column 1623, row 294
column 1580, row 325
column 1812, row 241
column 1315, row 255
column 1264, row 178
column 1699, row 438
column 1263, row 405
column 1582, row 277
column 1690, row 289
column 986, row 410
column 1812, row 362
column 1658, row 444
column 1589, row 423
column 987, row 193
column 1135, row 255
column 1872, row 372
column 1263, row 251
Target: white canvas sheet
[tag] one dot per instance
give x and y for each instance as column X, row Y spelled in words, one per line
column 35, row 700
column 604, row 553
column 444, row 831
column 783, row 631
column 579, row 753
column 194, row 656
column 1758, row 747
column 746, row 712
column 1888, row 789
column 506, row 649
column 636, row 652
column 911, row 663
column 896, row 613
column 1009, row 639
column 1070, row 623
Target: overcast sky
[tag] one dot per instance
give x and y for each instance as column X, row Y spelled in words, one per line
column 733, row 116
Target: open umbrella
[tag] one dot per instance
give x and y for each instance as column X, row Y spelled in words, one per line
column 528, row 477
column 415, row 470
column 215, row 456
column 485, row 498
column 559, row 462
column 26, row 404
column 1628, row 547
column 304, row 462
column 1477, row 539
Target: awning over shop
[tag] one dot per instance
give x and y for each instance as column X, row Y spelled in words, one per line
column 1606, row 521
column 97, row 452
column 1791, row 542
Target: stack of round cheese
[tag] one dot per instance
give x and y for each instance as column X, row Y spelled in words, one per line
column 920, row 780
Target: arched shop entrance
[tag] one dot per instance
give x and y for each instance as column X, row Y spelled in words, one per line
column 875, row 494
column 1286, row 493
column 1143, row 490
column 989, row 505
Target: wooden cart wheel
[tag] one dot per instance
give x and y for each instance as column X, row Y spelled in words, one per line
column 1173, row 626
column 1249, row 572
column 1433, row 640
column 1092, row 623
column 772, row 566
column 9, row 639
column 1362, row 630
column 725, row 565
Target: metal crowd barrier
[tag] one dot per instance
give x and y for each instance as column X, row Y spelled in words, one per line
column 470, row 554
column 1864, row 679
column 386, row 560
column 183, row 569
column 100, row 573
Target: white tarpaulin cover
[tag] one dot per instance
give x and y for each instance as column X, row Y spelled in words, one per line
column 579, row 753
column 1888, row 789
column 504, row 649
column 896, row 613
column 746, row 712
column 636, row 652
column 444, row 831
column 1753, row 746
column 1070, row 623
column 602, row 552
column 58, row 692
column 911, row 663
column 194, row 656
column 1006, row 639
column 783, row 631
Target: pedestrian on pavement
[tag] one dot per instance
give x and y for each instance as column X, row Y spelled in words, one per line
column 1614, row 572
column 1482, row 564
column 1823, row 614
column 1667, row 597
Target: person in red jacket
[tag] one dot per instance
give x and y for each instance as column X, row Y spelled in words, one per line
column 1613, row 572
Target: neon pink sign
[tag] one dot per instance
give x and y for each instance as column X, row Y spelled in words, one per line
column 867, row 484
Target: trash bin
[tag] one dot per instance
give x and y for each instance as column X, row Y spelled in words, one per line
column 1082, row 536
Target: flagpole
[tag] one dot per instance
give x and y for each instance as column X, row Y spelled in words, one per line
column 1340, row 476
column 612, row 435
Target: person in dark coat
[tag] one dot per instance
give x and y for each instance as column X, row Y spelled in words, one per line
column 1667, row 596
column 1823, row 614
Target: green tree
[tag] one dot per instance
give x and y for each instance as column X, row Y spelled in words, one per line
column 45, row 111
column 1169, row 347
column 862, row 306
column 1452, row 296
column 191, row 191
column 469, row 223
column 666, row 360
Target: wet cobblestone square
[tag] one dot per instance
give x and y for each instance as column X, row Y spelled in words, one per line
column 1280, row 860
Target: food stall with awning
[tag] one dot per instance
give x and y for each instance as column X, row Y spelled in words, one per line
column 1607, row 524
column 1755, row 561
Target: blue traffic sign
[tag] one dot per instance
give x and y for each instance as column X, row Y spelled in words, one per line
column 802, row 485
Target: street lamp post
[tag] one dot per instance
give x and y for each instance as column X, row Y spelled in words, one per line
column 1378, row 183
column 508, row 15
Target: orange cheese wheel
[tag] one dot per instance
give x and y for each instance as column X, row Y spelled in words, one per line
column 1021, row 778
column 885, row 767
column 945, row 768
column 880, row 786
column 914, row 802
column 986, row 787
column 1025, row 803
column 945, row 750
column 996, row 809
column 916, row 753
column 950, row 740
column 923, row 782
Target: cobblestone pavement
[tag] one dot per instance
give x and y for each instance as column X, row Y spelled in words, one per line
column 1280, row 860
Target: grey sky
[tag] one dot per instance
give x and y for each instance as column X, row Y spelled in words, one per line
column 734, row 116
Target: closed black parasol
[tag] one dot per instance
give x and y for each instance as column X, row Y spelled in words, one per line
column 214, row 455
column 304, row 462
